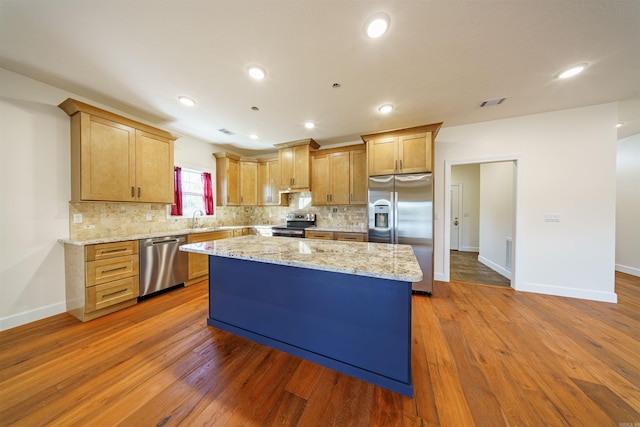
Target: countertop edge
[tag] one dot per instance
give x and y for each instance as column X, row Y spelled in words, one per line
column 196, row 248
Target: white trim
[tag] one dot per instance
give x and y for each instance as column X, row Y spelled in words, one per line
column 629, row 270
column 495, row 267
column 29, row 316
column 439, row 277
column 562, row 291
column 469, row 249
column 460, row 210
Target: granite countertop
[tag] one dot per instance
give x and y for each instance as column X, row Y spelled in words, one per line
column 158, row 234
column 380, row 260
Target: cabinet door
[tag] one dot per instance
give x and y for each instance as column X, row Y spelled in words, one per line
column 414, row 153
column 301, row 166
column 274, row 183
column 382, row 155
column 358, row 177
column 154, row 168
column 339, row 179
column 264, row 184
column 285, row 158
column 320, row 180
column 248, row 183
column 233, row 182
column 107, row 159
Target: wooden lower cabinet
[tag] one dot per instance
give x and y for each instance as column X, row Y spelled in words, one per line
column 338, row 235
column 351, row 237
column 101, row 278
column 321, row 235
column 199, row 263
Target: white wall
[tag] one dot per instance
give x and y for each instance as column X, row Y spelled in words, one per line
column 496, row 214
column 469, row 177
column 34, row 193
column 628, row 206
column 566, row 165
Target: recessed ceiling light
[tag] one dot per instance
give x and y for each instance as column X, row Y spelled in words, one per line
column 377, row 25
column 253, row 136
column 187, row 101
column 385, row 109
column 309, row 125
column 619, row 125
column 573, row 71
column 256, row 73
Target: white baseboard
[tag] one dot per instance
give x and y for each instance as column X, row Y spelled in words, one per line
column 562, row 291
column 469, row 249
column 495, row 267
column 629, row 270
column 25, row 317
column 439, row 277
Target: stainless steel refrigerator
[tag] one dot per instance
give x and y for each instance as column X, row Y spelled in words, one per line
column 401, row 211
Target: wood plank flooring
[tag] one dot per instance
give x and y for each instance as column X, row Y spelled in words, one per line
column 481, row 356
column 465, row 268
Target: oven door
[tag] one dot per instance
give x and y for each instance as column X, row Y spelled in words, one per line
column 287, row 232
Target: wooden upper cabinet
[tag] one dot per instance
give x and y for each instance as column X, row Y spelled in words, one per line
column 249, row 182
column 154, row 168
column 338, row 177
column 320, row 180
column 294, row 158
column 401, row 151
column 359, row 181
column 117, row 159
column 269, row 183
column 227, row 179
column 383, row 158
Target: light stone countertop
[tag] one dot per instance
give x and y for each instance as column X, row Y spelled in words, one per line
column 380, row 260
column 181, row 232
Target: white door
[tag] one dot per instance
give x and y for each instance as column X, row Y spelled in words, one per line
column 455, row 216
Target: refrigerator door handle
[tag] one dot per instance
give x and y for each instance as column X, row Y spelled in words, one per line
column 394, row 205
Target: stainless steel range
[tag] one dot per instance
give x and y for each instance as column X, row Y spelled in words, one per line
column 295, row 226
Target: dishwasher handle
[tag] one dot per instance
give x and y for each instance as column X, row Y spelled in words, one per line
column 165, row 241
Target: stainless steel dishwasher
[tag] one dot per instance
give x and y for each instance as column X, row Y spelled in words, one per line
column 162, row 264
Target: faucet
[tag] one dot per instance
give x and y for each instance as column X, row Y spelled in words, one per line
column 194, row 220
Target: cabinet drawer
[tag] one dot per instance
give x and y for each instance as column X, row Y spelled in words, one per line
column 321, row 235
column 108, row 294
column 107, row 270
column 111, row 250
column 351, row 237
column 205, row 237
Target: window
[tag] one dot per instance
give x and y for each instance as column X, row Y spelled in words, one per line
column 192, row 192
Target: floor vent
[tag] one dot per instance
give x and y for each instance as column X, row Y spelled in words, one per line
column 509, row 253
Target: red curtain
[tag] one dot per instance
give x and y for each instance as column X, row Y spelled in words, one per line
column 208, row 193
column 176, row 208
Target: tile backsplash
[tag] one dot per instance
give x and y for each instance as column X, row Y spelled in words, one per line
column 110, row 219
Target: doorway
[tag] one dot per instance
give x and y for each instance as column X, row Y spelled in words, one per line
column 481, row 223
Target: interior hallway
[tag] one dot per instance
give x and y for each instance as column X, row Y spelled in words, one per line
column 466, row 268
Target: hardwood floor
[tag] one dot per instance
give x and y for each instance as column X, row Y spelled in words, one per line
column 483, row 356
column 465, row 267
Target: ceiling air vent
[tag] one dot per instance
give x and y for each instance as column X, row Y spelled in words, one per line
column 490, row 102
column 226, row 131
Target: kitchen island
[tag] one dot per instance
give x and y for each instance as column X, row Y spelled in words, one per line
column 343, row 305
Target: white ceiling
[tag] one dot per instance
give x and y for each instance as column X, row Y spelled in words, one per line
column 437, row 62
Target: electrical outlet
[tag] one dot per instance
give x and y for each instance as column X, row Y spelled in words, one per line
column 77, row 218
column 335, row 210
column 148, row 217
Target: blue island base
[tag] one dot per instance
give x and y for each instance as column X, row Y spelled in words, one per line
column 357, row 325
